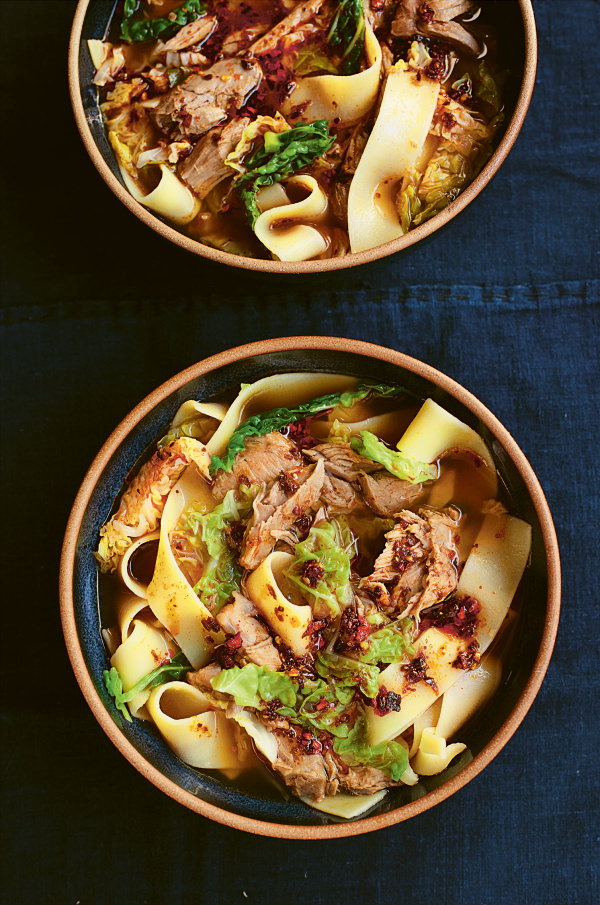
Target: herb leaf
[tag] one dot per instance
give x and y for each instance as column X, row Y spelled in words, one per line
column 174, row 669
column 347, row 34
column 281, row 155
column 276, row 419
column 148, row 29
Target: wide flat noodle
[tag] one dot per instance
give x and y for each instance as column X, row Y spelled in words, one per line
column 282, row 231
column 286, row 619
column 491, row 574
column 394, row 146
column 201, row 737
column 473, row 689
column 344, row 98
column 201, row 419
column 136, row 587
column 268, row 393
column 171, row 198
column 141, row 652
column 345, row 805
column 171, row 597
column 433, row 431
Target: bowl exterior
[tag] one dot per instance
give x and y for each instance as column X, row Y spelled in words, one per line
column 209, row 794
column 90, row 22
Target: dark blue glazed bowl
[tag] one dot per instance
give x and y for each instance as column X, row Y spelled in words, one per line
column 209, row 793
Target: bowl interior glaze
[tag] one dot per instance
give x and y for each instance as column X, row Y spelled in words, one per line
column 515, row 26
column 209, row 793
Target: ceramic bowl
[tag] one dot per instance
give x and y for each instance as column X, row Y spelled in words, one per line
column 208, row 793
column 515, row 24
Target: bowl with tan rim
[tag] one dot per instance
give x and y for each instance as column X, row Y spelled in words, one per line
column 262, row 810
column 515, row 24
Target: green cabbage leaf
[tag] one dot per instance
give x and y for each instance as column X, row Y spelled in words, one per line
column 207, row 532
column 134, row 29
column 404, row 467
column 281, row 154
column 346, row 35
column 252, row 686
column 332, row 545
column 390, row 644
column 355, row 750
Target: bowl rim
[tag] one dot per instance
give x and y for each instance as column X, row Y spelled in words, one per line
column 378, row 353
column 319, row 266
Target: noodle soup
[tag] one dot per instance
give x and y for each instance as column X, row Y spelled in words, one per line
column 299, row 131
column 307, row 579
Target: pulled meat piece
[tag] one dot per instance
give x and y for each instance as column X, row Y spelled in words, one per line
column 261, row 461
column 206, row 99
column 205, row 167
column 341, row 461
column 311, row 776
column 274, row 514
column 241, row 617
column 191, row 34
column 413, row 17
column 445, row 10
column 386, row 494
column 338, row 495
column 365, row 780
column 300, row 14
column 238, row 41
column 143, row 502
column 201, row 677
column 417, row 566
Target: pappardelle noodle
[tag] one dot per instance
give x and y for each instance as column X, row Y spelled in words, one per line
column 299, row 130
column 309, row 576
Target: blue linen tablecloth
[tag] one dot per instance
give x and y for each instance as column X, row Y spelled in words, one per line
column 97, row 310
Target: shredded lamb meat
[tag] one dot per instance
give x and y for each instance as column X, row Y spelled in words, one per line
column 417, row 566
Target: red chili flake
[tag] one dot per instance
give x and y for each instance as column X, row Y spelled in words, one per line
column 303, row 524
column 436, row 69
column 457, row 617
column 288, row 483
column 323, row 705
column 234, row 535
column 244, row 480
column 299, row 109
column 299, row 433
column 426, row 13
column 469, row 658
column 385, row 702
column 314, row 631
column 234, row 642
column 312, row 573
column 416, row 671
column 404, row 554
column 354, row 630
column 448, row 120
column 211, row 624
